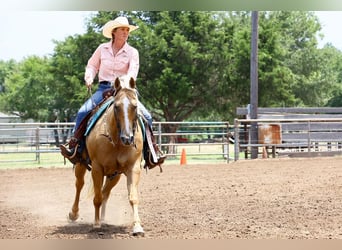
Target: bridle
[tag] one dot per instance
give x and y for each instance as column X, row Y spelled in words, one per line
column 116, row 116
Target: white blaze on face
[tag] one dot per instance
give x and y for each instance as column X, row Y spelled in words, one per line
column 125, row 110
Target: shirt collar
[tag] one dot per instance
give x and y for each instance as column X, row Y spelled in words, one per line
column 109, row 46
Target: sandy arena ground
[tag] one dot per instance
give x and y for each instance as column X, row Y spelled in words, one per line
column 255, row 199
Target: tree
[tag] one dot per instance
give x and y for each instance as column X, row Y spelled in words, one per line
column 28, row 91
column 179, row 53
column 68, row 65
column 333, row 63
column 313, row 79
column 5, row 70
column 193, row 65
column 291, row 72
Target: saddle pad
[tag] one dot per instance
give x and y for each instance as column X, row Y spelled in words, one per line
column 142, row 125
column 97, row 115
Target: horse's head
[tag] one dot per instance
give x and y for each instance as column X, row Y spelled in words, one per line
column 126, row 108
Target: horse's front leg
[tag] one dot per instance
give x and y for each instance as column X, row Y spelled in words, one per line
column 79, row 183
column 133, row 178
column 97, row 182
column 109, row 184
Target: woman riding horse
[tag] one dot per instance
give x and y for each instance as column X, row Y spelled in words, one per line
column 111, row 60
column 114, row 147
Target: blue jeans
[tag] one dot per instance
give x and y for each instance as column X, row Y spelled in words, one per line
column 97, row 98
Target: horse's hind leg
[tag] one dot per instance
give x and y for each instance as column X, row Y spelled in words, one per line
column 109, row 184
column 79, row 174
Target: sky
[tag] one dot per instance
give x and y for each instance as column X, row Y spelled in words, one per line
column 331, row 24
column 25, row 33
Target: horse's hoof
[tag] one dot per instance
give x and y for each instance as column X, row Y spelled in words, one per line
column 138, row 231
column 72, row 217
column 138, row 234
column 97, row 225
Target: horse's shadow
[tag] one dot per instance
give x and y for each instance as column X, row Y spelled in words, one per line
column 86, row 230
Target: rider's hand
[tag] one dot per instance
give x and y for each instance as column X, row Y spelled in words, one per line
column 88, row 77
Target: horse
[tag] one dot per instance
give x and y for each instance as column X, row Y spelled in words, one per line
column 114, row 147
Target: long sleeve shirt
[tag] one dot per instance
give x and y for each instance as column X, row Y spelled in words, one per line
column 109, row 67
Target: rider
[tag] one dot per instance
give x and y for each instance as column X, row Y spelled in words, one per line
column 110, row 60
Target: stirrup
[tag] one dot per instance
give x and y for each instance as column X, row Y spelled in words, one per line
column 65, row 152
column 150, row 163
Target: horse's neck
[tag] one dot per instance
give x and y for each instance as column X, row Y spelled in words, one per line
column 111, row 123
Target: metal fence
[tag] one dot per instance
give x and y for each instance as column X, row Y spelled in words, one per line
column 200, row 139
column 289, row 137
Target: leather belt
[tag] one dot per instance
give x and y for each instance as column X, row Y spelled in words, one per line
column 106, row 83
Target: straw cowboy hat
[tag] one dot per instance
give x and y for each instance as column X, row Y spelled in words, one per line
column 116, row 23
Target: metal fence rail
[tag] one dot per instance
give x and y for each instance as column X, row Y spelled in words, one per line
column 293, row 137
column 202, row 139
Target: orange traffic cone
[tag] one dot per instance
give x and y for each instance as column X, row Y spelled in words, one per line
column 183, row 157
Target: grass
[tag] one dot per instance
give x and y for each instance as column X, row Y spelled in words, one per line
column 198, row 154
column 30, row 160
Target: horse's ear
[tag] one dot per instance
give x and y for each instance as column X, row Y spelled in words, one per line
column 117, row 83
column 132, row 83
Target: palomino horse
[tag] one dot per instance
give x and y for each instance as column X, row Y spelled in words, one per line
column 114, row 147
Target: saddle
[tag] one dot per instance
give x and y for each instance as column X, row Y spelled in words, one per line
column 149, row 149
column 81, row 131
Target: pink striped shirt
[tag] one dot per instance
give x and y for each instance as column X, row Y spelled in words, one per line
column 109, row 67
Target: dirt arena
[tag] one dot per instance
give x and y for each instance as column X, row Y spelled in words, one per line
column 259, row 199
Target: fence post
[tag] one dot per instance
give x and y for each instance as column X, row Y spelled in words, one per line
column 227, row 142
column 309, row 136
column 159, row 134
column 37, row 145
column 236, row 140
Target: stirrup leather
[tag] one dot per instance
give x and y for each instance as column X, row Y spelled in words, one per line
column 152, row 152
column 151, row 158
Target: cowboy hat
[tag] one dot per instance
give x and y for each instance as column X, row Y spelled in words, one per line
column 116, row 23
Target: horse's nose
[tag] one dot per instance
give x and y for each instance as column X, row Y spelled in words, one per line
column 127, row 140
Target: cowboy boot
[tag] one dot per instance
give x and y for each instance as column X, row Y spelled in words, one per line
column 160, row 155
column 153, row 155
column 71, row 152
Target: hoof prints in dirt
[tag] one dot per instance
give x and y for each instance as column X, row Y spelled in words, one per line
column 256, row 199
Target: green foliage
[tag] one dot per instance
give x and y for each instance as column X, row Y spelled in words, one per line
column 5, row 70
column 179, row 54
column 68, row 64
column 28, row 89
column 193, row 65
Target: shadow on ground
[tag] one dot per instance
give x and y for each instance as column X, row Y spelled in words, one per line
column 86, row 231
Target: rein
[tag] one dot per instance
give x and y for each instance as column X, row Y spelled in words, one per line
column 106, row 129
column 91, row 96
